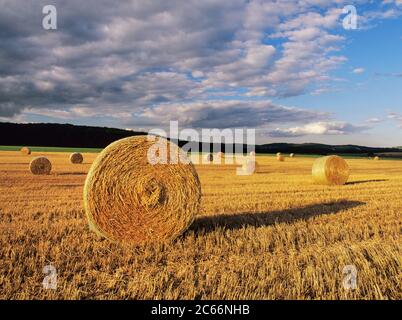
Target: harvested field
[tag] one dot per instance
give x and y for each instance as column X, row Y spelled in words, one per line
column 271, row 235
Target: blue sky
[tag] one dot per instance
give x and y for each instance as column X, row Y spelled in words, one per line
column 286, row 68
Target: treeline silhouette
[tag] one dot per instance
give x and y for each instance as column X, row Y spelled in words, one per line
column 67, row 135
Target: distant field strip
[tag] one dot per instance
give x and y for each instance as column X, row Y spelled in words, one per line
column 51, row 149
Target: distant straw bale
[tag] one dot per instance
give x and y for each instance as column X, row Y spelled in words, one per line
column 250, row 167
column 209, row 157
column 330, row 170
column 40, row 166
column 25, row 150
column 280, row 158
column 76, row 158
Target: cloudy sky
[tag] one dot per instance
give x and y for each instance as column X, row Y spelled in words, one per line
column 287, row 68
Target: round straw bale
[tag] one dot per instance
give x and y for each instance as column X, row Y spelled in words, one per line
column 220, row 155
column 292, row 155
column 280, row 158
column 278, row 154
column 376, row 158
column 330, row 170
column 76, row 158
column 40, row 165
column 250, row 167
column 252, row 153
column 209, row 157
column 129, row 199
column 25, row 150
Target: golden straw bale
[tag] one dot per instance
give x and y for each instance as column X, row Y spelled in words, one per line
column 292, row 155
column 25, row 150
column 40, row 165
column 252, row 153
column 209, row 157
column 376, row 158
column 330, row 170
column 250, row 167
column 280, row 158
column 129, row 199
column 76, row 158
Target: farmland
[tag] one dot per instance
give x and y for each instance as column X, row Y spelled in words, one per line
column 272, row 235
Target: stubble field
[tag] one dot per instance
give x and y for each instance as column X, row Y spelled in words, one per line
column 272, row 235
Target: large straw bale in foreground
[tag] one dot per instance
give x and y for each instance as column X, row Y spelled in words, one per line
column 76, row 158
column 330, row 170
column 128, row 199
column 40, row 165
column 25, row 150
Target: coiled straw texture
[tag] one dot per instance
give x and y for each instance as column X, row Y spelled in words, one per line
column 40, row 165
column 130, row 200
column 76, row 158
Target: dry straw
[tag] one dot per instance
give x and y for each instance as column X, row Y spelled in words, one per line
column 25, row 150
column 330, row 170
column 220, row 155
column 278, row 154
column 128, row 199
column 252, row 153
column 76, row 158
column 40, row 165
column 280, row 158
column 376, row 158
column 292, row 155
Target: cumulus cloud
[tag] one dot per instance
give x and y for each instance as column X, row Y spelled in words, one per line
column 319, row 128
column 209, row 114
column 358, row 70
column 374, row 120
column 150, row 61
column 396, row 117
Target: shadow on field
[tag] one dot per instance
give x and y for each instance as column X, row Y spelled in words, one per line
column 366, row 181
column 71, row 173
column 238, row 221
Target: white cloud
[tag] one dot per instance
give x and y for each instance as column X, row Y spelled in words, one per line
column 358, row 70
column 235, row 113
column 319, row 128
column 396, row 117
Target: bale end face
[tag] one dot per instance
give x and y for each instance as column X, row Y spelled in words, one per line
column 76, row 158
column 40, row 166
column 292, row 155
column 330, row 170
column 129, row 199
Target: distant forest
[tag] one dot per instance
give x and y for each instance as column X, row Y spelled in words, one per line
column 67, row 135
